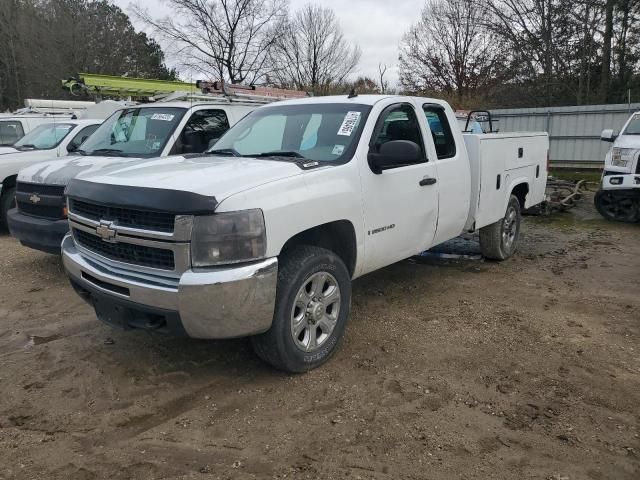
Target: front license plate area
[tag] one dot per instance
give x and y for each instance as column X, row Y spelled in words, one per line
column 113, row 314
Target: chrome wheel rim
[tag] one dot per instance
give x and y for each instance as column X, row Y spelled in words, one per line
column 510, row 227
column 315, row 311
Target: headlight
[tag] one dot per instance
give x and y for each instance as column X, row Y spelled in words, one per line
column 228, row 238
column 622, row 157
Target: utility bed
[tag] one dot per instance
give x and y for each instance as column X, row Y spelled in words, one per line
column 498, row 162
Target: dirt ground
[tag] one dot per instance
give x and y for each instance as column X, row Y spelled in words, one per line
column 450, row 370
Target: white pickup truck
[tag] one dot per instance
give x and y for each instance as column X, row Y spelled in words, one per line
column 262, row 236
column 57, row 138
column 619, row 196
column 127, row 137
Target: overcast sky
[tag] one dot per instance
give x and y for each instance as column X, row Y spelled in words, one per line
column 376, row 25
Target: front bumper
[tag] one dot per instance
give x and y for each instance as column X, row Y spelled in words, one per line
column 38, row 233
column 628, row 181
column 226, row 302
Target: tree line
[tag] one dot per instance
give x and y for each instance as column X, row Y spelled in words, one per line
column 45, row 41
column 524, row 52
column 472, row 52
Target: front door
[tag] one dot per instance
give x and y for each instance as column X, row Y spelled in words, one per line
column 400, row 204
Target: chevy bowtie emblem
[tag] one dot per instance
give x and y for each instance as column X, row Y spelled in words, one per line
column 106, row 230
column 34, row 198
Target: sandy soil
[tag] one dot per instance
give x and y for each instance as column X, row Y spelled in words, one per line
column 469, row 370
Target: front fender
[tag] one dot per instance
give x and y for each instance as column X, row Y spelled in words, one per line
column 295, row 204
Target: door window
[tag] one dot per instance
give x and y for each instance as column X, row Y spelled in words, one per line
column 10, row 132
column 80, row 137
column 440, row 131
column 398, row 122
column 202, row 131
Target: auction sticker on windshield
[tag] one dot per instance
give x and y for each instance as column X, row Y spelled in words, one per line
column 166, row 117
column 349, row 124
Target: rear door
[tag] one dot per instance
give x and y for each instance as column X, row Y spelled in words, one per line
column 400, row 204
column 452, row 163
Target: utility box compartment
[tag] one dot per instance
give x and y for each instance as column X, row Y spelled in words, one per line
column 500, row 162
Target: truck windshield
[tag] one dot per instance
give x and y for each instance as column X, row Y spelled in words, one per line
column 323, row 132
column 634, row 126
column 44, row 137
column 134, row 132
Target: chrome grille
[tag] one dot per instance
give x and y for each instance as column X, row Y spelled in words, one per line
column 142, row 255
column 126, row 217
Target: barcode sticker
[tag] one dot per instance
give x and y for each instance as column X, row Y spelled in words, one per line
column 349, row 124
column 166, row 117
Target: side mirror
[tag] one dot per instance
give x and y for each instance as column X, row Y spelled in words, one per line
column 396, row 153
column 72, row 147
column 608, row 135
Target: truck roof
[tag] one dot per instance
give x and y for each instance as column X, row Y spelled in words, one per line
column 357, row 100
column 189, row 104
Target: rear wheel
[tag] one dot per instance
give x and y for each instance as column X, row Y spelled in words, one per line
column 616, row 208
column 312, row 306
column 499, row 240
column 7, row 202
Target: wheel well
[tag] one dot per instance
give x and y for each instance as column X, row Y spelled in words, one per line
column 521, row 191
column 339, row 237
column 9, row 182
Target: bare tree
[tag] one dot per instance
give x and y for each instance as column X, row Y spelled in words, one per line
column 312, row 52
column 450, row 51
column 228, row 39
column 384, row 84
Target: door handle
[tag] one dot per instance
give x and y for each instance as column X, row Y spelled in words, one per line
column 428, row 181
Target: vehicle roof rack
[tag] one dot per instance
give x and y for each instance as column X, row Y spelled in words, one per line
column 169, row 90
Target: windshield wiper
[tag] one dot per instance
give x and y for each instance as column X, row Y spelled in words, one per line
column 225, row 152
column 107, row 151
column 279, row 153
column 27, row 146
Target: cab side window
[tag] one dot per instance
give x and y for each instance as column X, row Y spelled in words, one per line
column 80, row 137
column 202, row 130
column 440, row 131
column 398, row 122
column 10, row 132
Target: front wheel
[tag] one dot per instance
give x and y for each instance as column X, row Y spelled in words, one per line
column 313, row 300
column 617, row 208
column 7, row 202
column 499, row 240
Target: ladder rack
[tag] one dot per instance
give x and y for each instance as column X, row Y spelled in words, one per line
column 167, row 90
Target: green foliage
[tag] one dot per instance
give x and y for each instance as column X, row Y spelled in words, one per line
column 45, row 41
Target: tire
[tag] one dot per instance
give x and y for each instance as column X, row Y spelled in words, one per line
column 499, row 240
column 302, row 271
column 615, row 208
column 7, row 202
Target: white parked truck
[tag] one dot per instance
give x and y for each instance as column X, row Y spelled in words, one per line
column 262, row 236
column 14, row 126
column 127, row 137
column 46, row 141
column 619, row 196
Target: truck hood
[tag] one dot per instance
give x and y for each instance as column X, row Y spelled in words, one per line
column 60, row 171
column 11, row 164
column 5, row 150
column 209, row 176
column 627, row 141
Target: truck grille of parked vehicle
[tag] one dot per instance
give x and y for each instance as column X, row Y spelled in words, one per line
column 42, row 201
column 126, row 252
column 126, row 217
column 131, row 236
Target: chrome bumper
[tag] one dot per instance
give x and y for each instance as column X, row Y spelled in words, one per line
column 628, row 181
column 218, row 303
